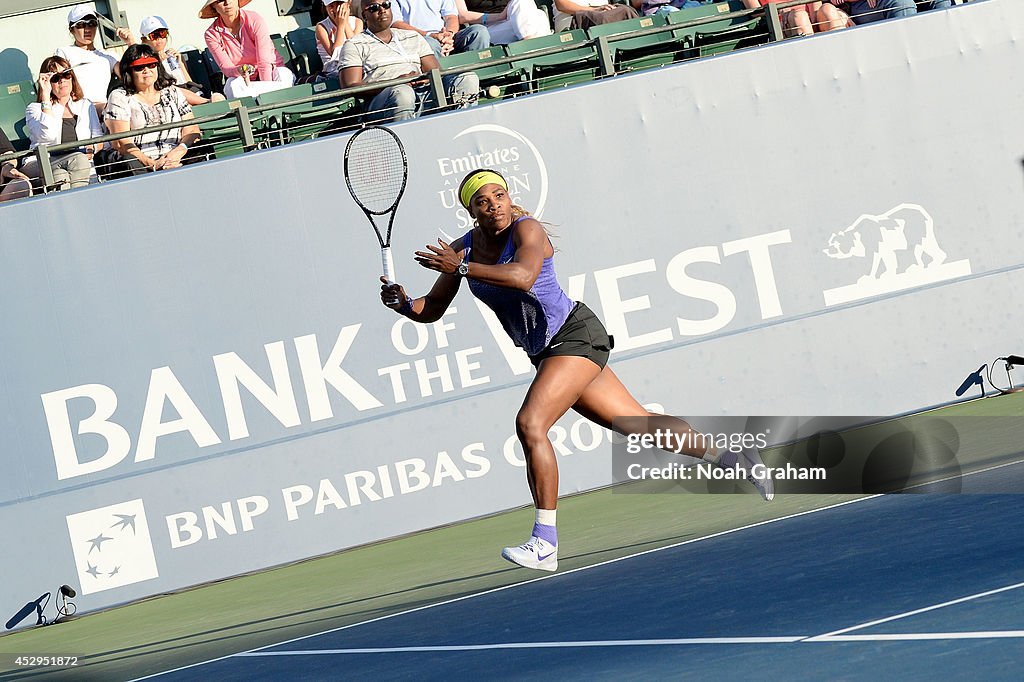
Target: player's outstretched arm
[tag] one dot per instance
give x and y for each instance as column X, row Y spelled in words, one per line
column 531, row 242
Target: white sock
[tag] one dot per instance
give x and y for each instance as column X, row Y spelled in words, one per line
column 712, row 455
column 545, row 517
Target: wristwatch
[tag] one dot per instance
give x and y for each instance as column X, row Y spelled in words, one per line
column 462, row 270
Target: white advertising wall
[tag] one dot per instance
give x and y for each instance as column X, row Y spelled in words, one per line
column 198, row 379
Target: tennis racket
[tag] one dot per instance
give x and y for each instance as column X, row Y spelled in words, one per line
column 376, row 171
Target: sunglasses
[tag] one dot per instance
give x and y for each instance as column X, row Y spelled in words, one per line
column 378, row 6
column 158, row 34
column 63, row 75
column 142, row 67
column 91, row 23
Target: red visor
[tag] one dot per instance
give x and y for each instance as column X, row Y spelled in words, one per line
column 141, row 61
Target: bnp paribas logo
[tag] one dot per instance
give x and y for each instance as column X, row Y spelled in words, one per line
column 112, row 546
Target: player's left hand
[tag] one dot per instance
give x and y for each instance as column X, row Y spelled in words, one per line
column 443, row 259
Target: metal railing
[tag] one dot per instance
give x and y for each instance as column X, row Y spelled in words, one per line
column 243, row 115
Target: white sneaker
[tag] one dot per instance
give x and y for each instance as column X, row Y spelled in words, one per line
column 764, row 484
column 534, row 553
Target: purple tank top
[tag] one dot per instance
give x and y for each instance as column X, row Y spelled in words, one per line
column 530, row 318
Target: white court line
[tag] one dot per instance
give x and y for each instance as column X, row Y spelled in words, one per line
column 553, row 576
column 832, row 635
column 914, row 636
column 512, row 585
column 921, row 636
column 961, row 475
column 532, row 645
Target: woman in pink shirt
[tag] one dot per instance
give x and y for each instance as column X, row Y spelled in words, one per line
column 240, row 43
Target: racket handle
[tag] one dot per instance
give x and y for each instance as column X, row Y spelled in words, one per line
column 389, row 264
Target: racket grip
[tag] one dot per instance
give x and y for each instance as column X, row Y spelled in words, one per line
column 389, row 264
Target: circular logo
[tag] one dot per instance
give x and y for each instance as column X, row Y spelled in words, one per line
column 501, row 149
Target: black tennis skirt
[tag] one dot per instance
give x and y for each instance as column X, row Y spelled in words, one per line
column 581, row 335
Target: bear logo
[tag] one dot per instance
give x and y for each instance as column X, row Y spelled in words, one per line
column 902, row 240
column 902, row 249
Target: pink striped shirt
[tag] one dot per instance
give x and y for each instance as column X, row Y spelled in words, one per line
column 255, row 47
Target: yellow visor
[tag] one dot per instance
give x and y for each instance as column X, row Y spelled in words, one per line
column 472, row 184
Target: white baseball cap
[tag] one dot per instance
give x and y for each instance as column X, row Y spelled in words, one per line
column 150, row 24
column 79, row 12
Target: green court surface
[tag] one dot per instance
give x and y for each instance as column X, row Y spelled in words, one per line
column 312, row 596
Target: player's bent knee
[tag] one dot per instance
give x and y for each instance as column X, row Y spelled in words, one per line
column 530, row 427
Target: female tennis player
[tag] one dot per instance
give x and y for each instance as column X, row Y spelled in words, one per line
column 508, row 260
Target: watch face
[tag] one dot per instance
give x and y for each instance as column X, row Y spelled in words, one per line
column 463, row 269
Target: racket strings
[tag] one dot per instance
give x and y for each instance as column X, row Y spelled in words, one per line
column 376, row 170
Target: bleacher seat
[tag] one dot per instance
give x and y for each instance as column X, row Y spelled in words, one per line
column 731, row 33
column 196, row 66
column 750, row 33
column 302, row 42
column 640, row 52
column 223, row 138
column 568, row 67
column 284, row 51
column 307, row 120
column 500, row 75
column 14, row 97
column 213, row 71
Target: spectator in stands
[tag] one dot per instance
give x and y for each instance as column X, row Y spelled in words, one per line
column 383, row 52
column 828, row 17
column 92, row 65
column 61, row 113
column 438, row 22
column 795, row 20
column 148, row 97
column 866, row 11
column 241, row 45
column 156, row 34
column 803, row 20
column 13, row 183
column 650, row 7
column 331, row 34
column 586, row 13
column 517, row 20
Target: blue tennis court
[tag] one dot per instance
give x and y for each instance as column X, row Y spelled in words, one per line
column 909, row 586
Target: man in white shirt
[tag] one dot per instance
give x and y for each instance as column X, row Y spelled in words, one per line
column 382, row 52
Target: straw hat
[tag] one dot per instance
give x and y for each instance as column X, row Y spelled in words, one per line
column 208, row 12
